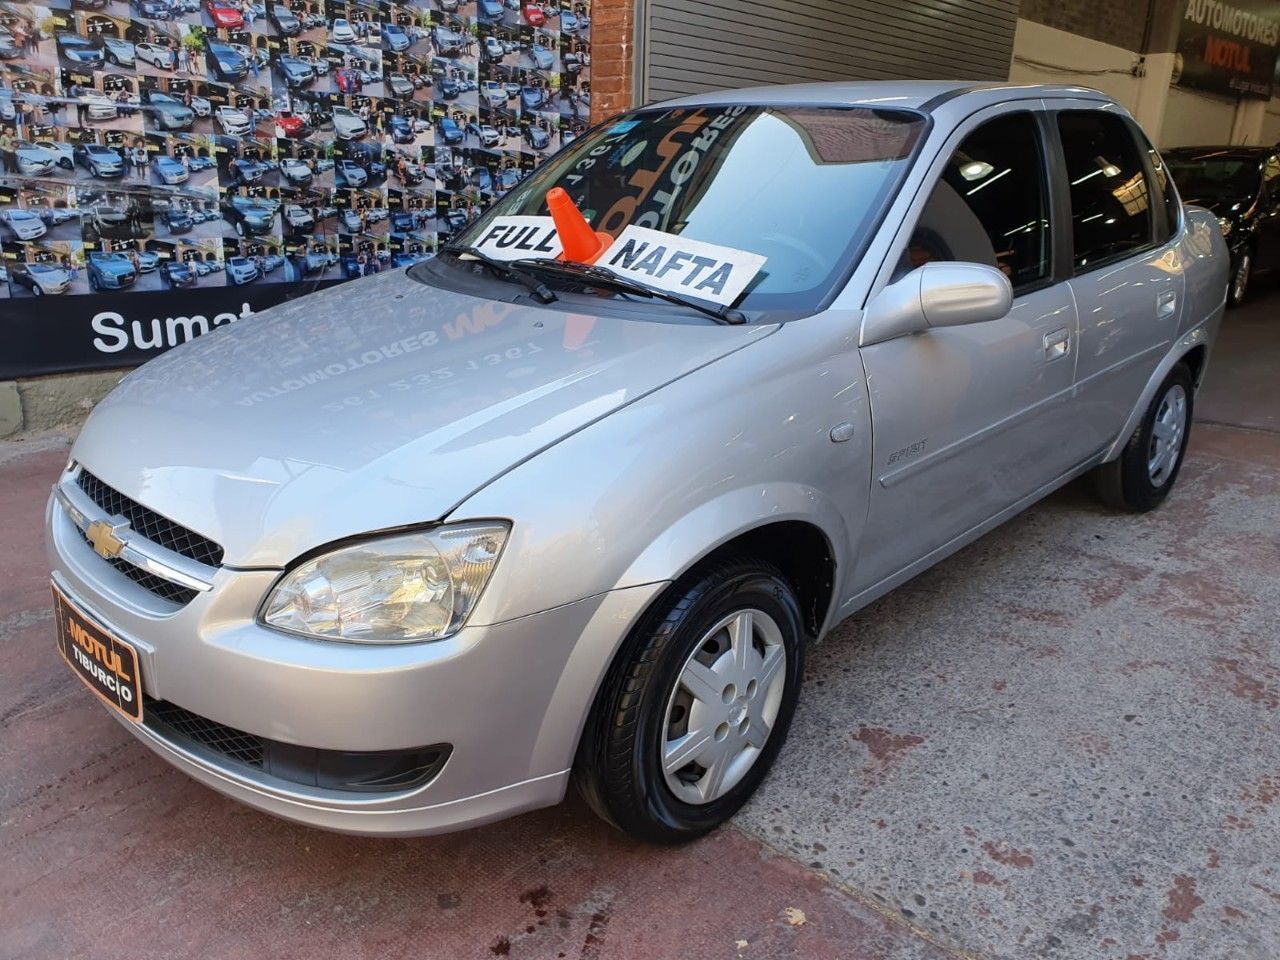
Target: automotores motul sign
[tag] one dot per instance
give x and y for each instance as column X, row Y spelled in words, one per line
column 1229, row 47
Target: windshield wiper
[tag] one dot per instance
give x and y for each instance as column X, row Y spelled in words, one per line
column 541, row 292
column 602, row 277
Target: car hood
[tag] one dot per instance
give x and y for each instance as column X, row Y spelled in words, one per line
column 379, row 403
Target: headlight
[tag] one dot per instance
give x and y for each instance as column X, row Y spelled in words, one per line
column 1225, row 225
column 400, row 589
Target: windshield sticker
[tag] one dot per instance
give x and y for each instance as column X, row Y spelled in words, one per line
column 680, row 265
column 626, row 126
column 515, row 238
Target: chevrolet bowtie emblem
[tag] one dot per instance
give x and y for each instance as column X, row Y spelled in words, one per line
column 104, row 538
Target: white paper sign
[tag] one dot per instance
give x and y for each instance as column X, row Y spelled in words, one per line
column 515, row 238
column 704, row 271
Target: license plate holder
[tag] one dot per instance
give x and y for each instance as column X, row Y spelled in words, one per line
column 105, row 664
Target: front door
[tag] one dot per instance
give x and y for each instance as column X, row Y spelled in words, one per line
column 967, row 421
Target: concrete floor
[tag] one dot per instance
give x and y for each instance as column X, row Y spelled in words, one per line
column 1060, row 743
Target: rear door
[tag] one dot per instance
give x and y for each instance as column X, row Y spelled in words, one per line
column 969, row 420
column 1126, row 272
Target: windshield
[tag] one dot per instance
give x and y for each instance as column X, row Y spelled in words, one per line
column 801, row 186
column 1216, row 177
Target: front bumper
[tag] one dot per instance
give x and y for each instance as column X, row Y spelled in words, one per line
column 508, row 699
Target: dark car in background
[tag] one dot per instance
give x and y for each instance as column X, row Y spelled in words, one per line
column 1241, row 185
column 294, row 71
column 249, row 216
column 284, row 20
column 401, row 129
column 403, row 221
column 178, row 220
column 400, row 85
column 225, row 61
column 448, row 130
column 78, row 51
column 175, row 273
column 537, row 137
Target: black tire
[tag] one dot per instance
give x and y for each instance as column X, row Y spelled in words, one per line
column 1238, row 284
column 1126, row 482
column 618, row 768
column 240, row 228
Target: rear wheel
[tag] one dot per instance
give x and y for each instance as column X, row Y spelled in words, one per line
column 697, row 704
column 1141, row 477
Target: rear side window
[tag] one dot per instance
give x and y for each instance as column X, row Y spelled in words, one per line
column 1110, row 199
column 1165, row 200
column 990, row 205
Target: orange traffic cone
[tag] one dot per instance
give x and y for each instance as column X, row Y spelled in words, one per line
column 581, row 243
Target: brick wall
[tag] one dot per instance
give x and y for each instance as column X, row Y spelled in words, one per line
column 612, row 56
column 1121, row 23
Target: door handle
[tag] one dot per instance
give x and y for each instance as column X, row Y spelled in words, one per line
column 1166, row 303
column 1057, row 344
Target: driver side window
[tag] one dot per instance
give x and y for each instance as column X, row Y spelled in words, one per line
column 990, row 205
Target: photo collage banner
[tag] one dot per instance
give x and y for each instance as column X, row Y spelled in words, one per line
column 172, row 165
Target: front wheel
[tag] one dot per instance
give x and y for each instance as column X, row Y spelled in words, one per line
column 1142, row 476
column 697, row 704
column 1238, row 288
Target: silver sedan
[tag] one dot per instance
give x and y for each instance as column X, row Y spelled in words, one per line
column 571, row 499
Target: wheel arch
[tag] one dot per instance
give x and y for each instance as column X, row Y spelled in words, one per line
column 780, row 537
column 792, row 526
column 1191, row 348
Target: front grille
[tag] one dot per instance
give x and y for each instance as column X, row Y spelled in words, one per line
column 228, row 741
column 162, row 588
column 378, row 771
column 149, row 524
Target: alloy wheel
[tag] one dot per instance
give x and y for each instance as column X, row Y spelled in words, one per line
column 723, row 707
column 1167, row 431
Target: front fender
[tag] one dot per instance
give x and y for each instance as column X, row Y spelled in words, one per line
column 640, row 495
column 675, row 550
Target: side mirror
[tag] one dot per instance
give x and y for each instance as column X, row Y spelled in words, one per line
column 936, row 295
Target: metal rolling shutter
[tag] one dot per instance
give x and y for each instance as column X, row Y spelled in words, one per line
column 689, row 46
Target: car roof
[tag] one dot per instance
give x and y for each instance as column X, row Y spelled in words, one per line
column 911, row 94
